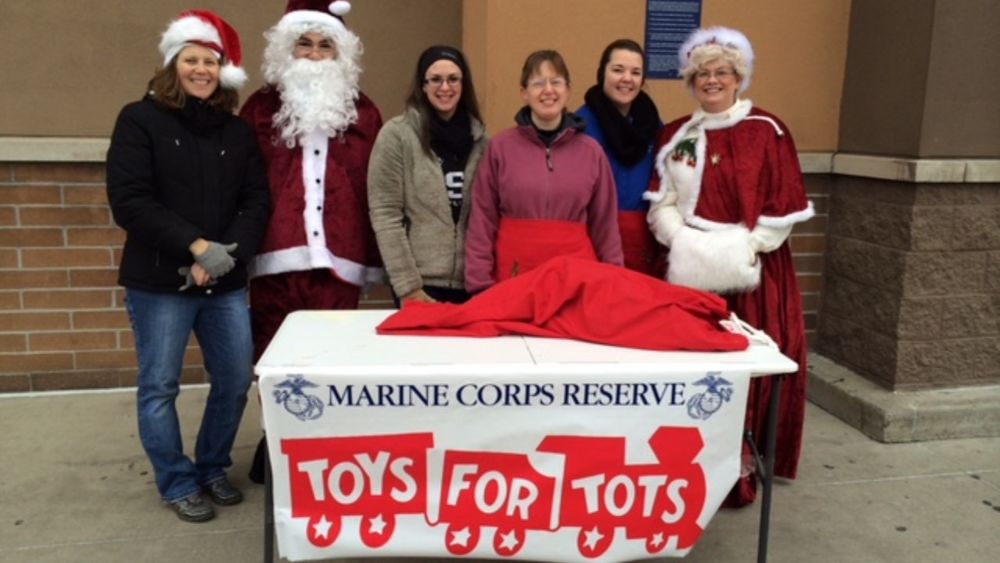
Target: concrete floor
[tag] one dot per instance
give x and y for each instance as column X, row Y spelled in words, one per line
column 75, row 486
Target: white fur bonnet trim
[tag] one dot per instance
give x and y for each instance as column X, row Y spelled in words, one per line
column 727, row 37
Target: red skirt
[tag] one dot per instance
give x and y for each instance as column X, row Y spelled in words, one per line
column 525, row 244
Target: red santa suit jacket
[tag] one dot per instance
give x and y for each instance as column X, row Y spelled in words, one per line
column 319, row 213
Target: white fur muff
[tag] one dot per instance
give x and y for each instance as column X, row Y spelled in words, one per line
column 722, row 260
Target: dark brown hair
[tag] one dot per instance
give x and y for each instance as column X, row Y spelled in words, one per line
column 624, row 45
column 417, row 99
column 535, row 60
column 165, row 89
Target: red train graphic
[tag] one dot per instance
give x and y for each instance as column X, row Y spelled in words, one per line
column 511, row 493
column 375, row 477
column 575, row 482
column 658, row 502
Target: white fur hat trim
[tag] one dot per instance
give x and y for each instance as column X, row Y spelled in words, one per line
column 724, row 36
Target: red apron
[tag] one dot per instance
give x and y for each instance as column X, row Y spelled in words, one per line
column 524, row 244
column 639, row 248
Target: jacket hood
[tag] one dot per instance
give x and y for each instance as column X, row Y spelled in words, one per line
column 570, row 120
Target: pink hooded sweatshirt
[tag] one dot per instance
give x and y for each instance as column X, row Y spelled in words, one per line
column 520, row 178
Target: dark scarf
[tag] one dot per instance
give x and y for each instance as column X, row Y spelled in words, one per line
column 452, row 143
column 628, row 137
column 452, row 139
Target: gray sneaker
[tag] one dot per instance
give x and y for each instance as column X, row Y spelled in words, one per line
column 223, row 493
column 193, row 509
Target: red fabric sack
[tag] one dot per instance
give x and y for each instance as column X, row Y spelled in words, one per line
column 584, row 300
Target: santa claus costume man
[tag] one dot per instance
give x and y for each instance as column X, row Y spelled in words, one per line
column 316, row 130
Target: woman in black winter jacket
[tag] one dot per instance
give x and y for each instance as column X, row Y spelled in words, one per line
column 186, row 181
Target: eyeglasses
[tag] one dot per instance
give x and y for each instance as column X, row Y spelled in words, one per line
column 721, row 74
column 305, row 46
column 539, row 84
column 438, row 81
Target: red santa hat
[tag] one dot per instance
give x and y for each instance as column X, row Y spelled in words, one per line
column 206, row 29
column 322, row 13
column 724, row 36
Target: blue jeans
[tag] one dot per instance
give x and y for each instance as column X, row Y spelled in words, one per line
column 162, row 324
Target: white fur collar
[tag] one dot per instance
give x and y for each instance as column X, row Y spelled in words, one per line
column 736, row 113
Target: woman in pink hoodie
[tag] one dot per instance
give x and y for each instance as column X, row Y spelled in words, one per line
column 543, row 189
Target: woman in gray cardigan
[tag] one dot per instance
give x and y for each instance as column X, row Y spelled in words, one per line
column 419, row 180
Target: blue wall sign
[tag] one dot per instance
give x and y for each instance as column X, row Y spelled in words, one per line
column 668, row 23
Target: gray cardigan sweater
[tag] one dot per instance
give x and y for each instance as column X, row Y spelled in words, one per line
column 419, row 241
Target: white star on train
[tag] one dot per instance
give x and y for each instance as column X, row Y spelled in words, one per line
column 460, row 537
column 509, row 541
column 376, row 525
column 657, row 540
column 322, row 527
column 593, row 538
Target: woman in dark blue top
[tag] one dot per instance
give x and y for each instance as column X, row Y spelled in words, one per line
column 623, row 119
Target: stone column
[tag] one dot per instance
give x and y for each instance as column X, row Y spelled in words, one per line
column 912, row 296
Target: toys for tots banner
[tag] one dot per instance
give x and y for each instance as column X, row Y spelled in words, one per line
column 561, row 467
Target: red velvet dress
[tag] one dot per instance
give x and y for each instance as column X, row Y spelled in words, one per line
column 746, row 173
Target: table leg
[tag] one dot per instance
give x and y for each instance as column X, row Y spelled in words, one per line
column 268, row 510
column 767, row 479
column 758, row 458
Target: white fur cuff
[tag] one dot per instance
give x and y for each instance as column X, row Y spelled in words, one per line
column 718, row 261
column 664, row 221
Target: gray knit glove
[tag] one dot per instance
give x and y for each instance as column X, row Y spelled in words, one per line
column 185, row 272
column 217, row 260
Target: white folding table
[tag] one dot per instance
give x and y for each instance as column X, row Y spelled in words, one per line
column 330, row 367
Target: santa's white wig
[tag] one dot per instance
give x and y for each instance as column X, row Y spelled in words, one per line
column 315, row 94
column 281, row 43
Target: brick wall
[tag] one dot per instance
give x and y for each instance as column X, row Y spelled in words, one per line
column 808, row 243
column 62, row 322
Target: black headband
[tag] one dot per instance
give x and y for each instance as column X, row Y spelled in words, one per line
column 435, row 54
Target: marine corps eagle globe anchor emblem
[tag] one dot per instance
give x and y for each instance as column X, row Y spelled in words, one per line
column 703, row 405
column 296, row 401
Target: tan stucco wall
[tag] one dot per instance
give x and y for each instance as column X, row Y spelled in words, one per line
column 922, row 80
column 800, row 46
column 68, row 67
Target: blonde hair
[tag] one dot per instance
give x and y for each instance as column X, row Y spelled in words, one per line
column 704, row 54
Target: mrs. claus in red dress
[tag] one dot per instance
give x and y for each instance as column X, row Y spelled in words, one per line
column 726, row 194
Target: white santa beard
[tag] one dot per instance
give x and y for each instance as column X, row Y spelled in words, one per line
column 316, row 96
